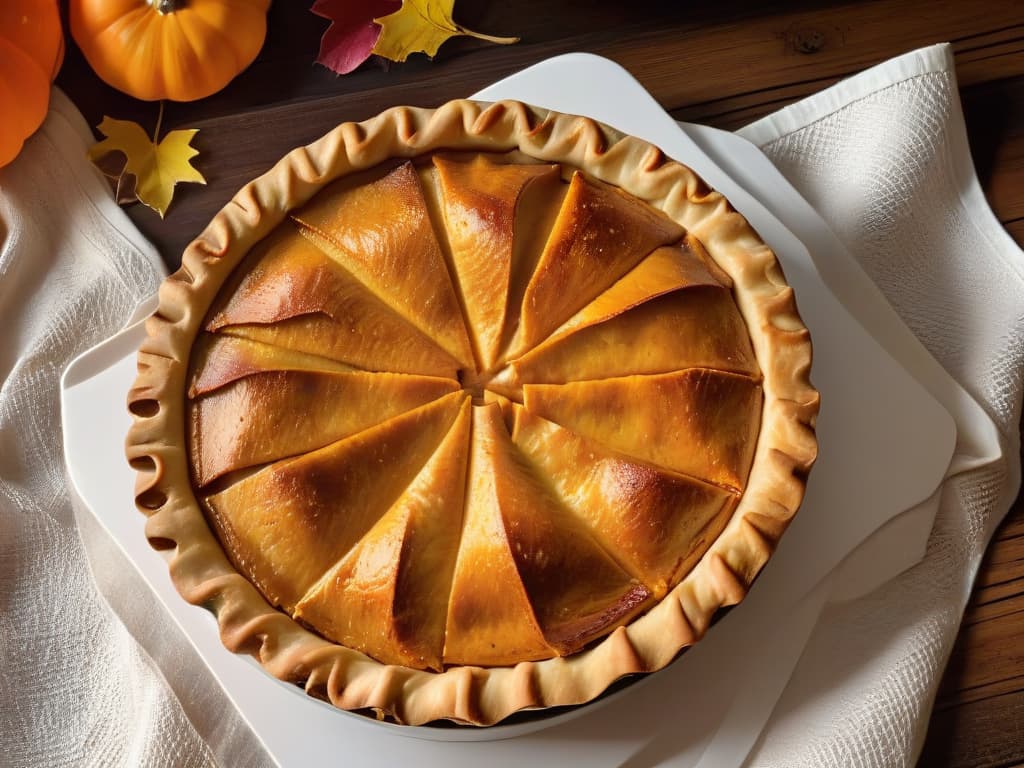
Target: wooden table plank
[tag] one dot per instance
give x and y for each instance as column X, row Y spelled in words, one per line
column 809, row 47
column 994, row 113
column 982, row 734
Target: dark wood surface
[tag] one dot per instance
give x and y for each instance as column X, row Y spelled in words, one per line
column 723, row 63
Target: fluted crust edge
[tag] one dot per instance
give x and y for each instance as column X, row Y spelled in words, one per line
column 156, row 444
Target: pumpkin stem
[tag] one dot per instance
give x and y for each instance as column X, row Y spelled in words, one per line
column 166, row 6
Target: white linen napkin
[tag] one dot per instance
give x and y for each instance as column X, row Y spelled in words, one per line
column 884, row 159
column 76, row 688
column 882, row 156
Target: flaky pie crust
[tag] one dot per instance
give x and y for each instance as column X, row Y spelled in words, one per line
column 157, row 442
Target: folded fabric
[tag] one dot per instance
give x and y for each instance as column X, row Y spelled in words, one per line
column 77, row 688
column 883, row 157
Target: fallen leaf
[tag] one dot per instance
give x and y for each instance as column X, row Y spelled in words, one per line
column 422, row 26
column 157, row 167
column 349, row 41
column 122, row 183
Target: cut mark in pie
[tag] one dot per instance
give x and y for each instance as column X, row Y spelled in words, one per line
column 670, row 312
column 665, row 270
column 388, row 597
column 488, row 230
column 381, row 233
column 218, row 360
column 293, row 295
column 656, row 523
column 272, row 415
column 600, row 234
column 695, row 328
column 698, row 422
column 530, row 581
column 290, row 522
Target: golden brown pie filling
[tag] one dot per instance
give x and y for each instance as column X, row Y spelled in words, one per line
column 472, row 409
column 459, row 412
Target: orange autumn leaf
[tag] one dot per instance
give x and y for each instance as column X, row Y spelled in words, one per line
column 422, row 26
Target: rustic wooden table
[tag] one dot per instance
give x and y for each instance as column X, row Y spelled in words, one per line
column 723, row 63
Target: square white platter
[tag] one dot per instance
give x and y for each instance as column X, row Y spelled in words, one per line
column 885, row 444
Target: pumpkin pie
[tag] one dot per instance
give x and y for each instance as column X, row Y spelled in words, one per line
column 465, row 411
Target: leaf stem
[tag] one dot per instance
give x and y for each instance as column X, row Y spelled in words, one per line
column 488, row 38
column 159, row 122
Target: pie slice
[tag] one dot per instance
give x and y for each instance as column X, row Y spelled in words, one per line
column 381, row 233
column 698, row 422
column 268, row 415
column 293, row 295
column 655, row 522
column 291, row 521
column 673, row 310
column 530, row 580
column 666, row 269
column 388, row 597
column 218, row 360
column 482, row 203
column 599, row 235
column 697, row 327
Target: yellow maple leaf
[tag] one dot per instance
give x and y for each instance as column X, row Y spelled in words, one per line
column 422, row 26
column 157, row 167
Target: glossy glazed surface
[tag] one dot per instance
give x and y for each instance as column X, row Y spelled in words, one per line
column 471, row 411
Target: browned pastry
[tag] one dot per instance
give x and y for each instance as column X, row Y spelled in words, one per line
column 461, row 412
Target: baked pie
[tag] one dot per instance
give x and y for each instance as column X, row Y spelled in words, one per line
column 459, row 412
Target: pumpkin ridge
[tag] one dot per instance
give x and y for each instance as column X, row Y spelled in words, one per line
column 23, row 61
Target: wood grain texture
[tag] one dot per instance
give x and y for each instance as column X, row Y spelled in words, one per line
column 723, row 63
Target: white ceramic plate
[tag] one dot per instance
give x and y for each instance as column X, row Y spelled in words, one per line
column 885, row 445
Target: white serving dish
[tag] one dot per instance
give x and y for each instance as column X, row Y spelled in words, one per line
column 885, row 446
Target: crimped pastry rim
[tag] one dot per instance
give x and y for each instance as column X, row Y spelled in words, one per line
column 156, row 444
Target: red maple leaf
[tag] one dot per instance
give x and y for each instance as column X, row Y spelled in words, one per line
column 349, row 40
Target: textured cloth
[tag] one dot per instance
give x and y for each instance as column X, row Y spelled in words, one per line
column 75, row 687
column 883, row 157
column 877, row 157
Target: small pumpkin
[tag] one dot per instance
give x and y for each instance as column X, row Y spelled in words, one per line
column 31, row 52
column 180, row 50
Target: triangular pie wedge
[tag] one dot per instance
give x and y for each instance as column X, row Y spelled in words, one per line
column 295, row 296
column 697, row 422
column 377, row 344
column 599, row 235
column 382, row 234
column 271, row 415
column 388, row 597
column 698, row 327
column 666, row 269
column 480, row 203
column 704, row 327
column 530, row 580
column 655, row 522
column 290, row 522
column 218, row 360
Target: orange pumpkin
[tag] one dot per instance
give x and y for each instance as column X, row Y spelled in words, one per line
column 169, row 49
column 31, row 51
